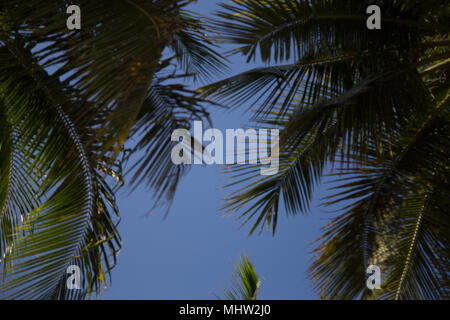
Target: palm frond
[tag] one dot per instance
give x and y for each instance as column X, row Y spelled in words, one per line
column 392, row 219
column 278, row 30
column 245, row 283
column 54, row 192
column 375, row 103
column 167, row 107
column 194, row 49
column 88, row 67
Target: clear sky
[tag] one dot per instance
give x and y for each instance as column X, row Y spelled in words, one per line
column 189, row 255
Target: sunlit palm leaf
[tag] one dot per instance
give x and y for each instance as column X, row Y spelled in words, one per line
column 246, row 283
column 53, row 193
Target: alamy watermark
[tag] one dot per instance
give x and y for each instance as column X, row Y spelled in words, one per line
column 251, row 146
column 373, row 21
column 73, row 277
column 374, row 280
column 74, row 20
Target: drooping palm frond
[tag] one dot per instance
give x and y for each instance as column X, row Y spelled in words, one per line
column 279, row 30
column 54, row 190
column 109, row 52
column 106, row 54
column 325, row 41
column 397, row 219
column 191, row 46
column 314, row 134
column 260, row 197
column 102, row 81
column 245, row 283
column 168, row 107
column 360, row 99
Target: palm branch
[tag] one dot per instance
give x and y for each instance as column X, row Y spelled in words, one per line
column 246, row 283
column 68, row 103
column 371, row 104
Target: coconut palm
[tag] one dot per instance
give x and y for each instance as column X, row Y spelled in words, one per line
column 69, row 100
column 371, row 107
column 246, row 282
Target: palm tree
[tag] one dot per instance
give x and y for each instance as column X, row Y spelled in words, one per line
column 246, row 283
column 69, row 100
column 373, row 106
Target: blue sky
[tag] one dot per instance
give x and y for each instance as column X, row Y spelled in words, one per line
column 189, row 255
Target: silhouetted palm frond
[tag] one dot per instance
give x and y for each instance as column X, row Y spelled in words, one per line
column 373, row 105
column 69, row 100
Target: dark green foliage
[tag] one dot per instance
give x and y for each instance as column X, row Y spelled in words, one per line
column 371, row 104
column 69, row 100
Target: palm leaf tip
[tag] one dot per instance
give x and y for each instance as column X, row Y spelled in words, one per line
column 246, row 283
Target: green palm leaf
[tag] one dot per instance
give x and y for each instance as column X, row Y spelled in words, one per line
column 53, row 192
column 246, row 283
column 373, row 103
column 70, row 100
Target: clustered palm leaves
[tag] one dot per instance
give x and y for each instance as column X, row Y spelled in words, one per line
column 373, row 105
column 69, row 100
column 246, row 283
